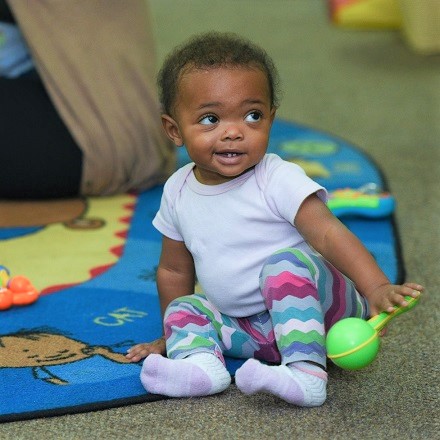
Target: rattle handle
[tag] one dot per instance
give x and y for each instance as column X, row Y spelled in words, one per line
column 379, row 321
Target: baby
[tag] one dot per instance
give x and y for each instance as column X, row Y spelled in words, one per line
column 276, row 267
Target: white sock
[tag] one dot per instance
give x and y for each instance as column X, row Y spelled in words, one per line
column 200, row 374
column 300, row 383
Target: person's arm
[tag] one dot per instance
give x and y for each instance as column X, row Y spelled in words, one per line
column 325, row 233
column 175, row 274
column 175, row 278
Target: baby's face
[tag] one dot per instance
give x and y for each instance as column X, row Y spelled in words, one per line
column 223, row 116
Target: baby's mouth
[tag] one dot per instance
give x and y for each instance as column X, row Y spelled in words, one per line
column 229, row 154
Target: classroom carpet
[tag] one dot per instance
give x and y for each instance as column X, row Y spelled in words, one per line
column 94, row 263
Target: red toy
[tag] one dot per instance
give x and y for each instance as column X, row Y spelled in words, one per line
column 15, row 291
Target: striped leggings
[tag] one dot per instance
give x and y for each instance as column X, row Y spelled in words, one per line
column 304, row 296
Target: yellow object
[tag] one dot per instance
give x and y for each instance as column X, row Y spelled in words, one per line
column 312, row 168
column 419, row 20
column 367, row 13
column 4, row 277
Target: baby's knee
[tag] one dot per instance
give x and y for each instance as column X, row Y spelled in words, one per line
column 292, row 260
column 287, row 266
column 188, row 303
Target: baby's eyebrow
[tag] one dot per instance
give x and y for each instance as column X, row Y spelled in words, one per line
column 209, row 104
column 253, row 101
column 219, row 104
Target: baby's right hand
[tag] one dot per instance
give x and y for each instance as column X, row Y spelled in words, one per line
column 141, row 351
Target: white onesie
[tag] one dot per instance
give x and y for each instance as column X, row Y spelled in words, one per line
column 232, row 228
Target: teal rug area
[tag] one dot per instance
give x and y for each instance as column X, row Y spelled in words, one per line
column 64, row 353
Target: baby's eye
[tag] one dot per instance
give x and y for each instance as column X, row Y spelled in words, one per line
column 253, row 117
column 208, row 120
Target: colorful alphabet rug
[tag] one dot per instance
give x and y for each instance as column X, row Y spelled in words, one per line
column 94, row 261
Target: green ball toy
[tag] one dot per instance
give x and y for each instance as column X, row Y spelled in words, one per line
column 353, row 343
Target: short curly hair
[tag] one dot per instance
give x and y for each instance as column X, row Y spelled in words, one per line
column 212, row 50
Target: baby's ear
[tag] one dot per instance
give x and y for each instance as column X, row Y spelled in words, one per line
column 172, row 130
column 273, row 113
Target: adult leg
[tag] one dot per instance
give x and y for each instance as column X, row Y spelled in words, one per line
column 39, row 158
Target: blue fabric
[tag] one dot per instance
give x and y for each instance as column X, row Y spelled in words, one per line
column 81, row 333
column 14, row 55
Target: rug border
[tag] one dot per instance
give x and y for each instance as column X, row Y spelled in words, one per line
column 78, row 409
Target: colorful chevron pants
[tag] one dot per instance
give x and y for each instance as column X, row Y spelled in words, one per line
column 304, row 296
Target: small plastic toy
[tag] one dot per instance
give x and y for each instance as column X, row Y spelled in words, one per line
column 15, row 291
column 367, row 201
column 5, row 275
column 353, row 343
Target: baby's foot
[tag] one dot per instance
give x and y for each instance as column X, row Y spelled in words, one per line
column 200, row 374
column 300, row 383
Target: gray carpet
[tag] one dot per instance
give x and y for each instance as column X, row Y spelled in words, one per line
column 370, row 88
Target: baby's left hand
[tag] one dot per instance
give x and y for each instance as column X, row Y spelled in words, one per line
column 387, row 296
column 141, row 351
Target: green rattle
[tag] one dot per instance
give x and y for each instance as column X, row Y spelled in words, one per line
column 353, row 343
